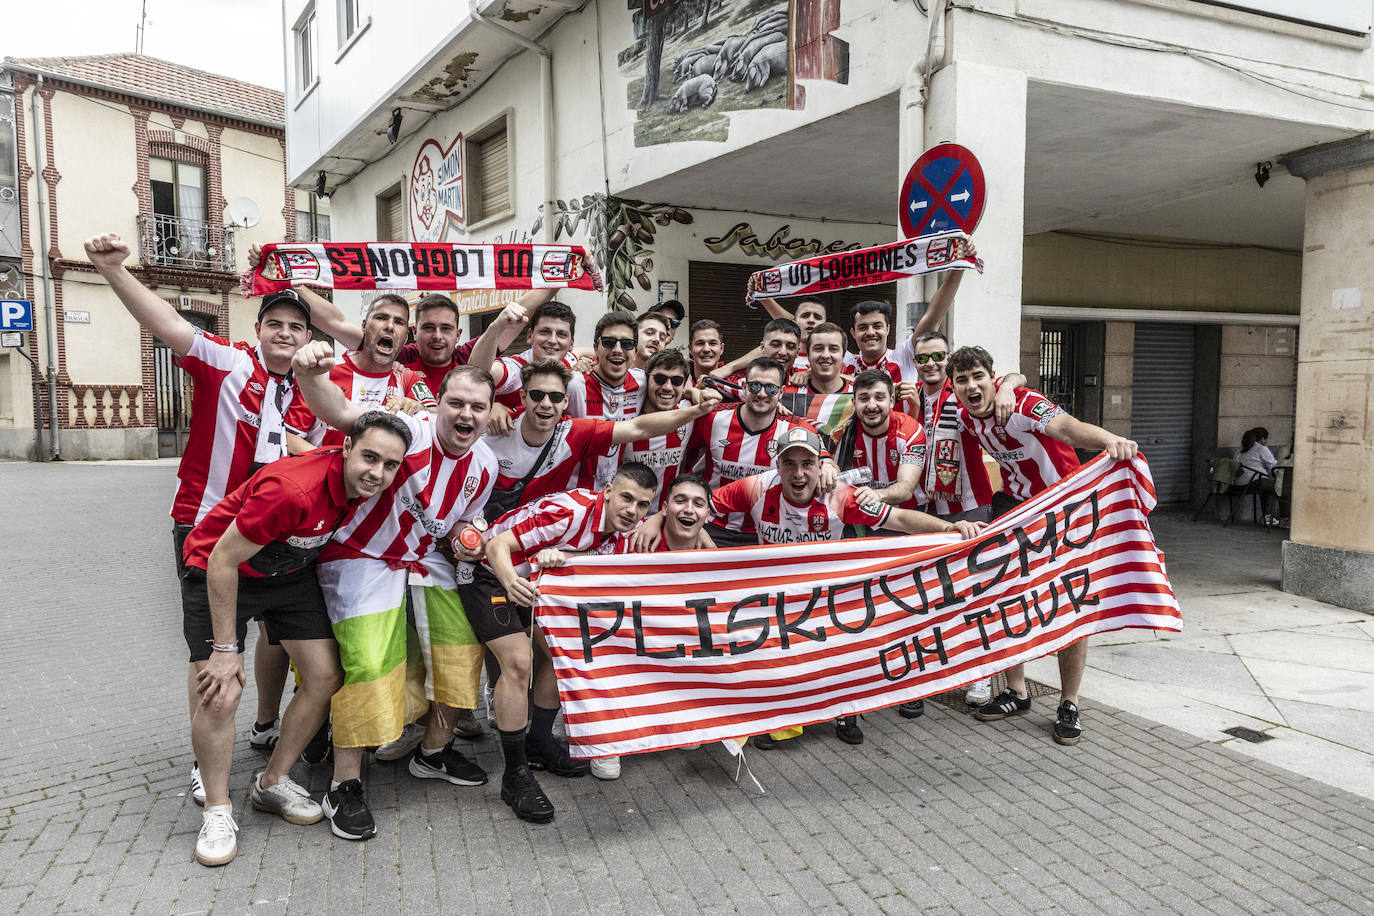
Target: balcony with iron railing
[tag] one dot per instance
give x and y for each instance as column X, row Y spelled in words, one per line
column 185, row 244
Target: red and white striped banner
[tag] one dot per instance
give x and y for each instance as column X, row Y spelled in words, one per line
column 659, row 650
column 865, row 267
column 420, row 265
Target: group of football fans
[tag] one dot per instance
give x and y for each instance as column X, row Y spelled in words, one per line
column 380, row 513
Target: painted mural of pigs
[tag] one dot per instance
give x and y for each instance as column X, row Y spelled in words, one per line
column 746, row 55
column 771, row 61
column 697, row 92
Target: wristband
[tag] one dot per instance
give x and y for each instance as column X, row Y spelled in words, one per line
column 222, row 647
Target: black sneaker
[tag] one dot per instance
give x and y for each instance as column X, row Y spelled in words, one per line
column 1006, row 703
column 765, row 742
column 319, row 750
column 1066, row 726
column 447, row 764
column 847, row 730
column 552, row 755
column 913, row 710
column 521, row 791
column 347, row 811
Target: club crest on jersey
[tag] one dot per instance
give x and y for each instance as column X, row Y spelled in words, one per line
column 612, row 401
column 469, row 487
column 291, row 264
column 892, row 456
column 772, row 448
column 946, row 465
column 1042, row 410
column 818, row 523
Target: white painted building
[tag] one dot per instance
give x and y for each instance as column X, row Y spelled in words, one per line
column 1144, row 241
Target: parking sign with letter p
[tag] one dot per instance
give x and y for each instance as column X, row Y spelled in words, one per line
column 16, row 315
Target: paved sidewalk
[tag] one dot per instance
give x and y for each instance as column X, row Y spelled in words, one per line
column 939, row 815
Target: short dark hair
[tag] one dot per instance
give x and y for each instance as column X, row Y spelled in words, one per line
column 768, row 363
column 392, row 298
column 637, row 472
column 544, row 367
column 610, row 320
column 476, row 373
column 869, row 306
column 872, row 378
column 433, row 301
column 931, row 335
column 784, row 326
column 689, row 478
column 380, row 419
column 829, row 327
column 704, row 324
column 966, row 359
column 670, row 358
column 1251, row 436
column 555, row 310
column 816, row 302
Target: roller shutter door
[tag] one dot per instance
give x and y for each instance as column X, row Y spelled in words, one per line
column 1162, row 406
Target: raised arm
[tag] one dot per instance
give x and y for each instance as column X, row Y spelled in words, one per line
column 775, row 309
column 107, row 254
column 499, row 335
column 1073, row 431
column 731, row 368
column 648, row 425
column 324, row 314
column 943, row 299
column 312, row 363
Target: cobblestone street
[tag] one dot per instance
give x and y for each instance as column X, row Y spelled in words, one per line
column 936, row 815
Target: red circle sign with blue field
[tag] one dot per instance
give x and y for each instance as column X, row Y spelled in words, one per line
column 944, row 190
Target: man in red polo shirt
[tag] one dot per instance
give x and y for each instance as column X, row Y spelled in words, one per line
column 254, row 555
column 1034, row 448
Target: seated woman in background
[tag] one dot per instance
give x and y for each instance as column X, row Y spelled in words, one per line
column 1258, row 463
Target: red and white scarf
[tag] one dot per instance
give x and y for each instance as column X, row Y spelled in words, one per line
column 865, row 267
column 427, row 266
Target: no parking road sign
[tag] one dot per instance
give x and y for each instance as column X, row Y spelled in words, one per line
column 944, row 190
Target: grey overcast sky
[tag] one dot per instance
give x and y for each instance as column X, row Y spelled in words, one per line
column 238, row 38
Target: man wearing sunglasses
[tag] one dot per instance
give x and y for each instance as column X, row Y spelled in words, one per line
column 665, row 383
column 742, row 442
column 545, row 454
column 611, row 390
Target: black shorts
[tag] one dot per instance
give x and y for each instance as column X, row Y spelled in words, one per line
column 292, row 607
column 179, row 532
column 489, row 614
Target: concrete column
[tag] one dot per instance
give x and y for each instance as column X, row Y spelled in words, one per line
column 1331, row 552
column 984, row 109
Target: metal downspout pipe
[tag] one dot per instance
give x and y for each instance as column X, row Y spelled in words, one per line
column 49, row 317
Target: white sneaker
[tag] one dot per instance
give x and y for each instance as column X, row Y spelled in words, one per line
column 287, row 799
column 410, row 739
column 197, row 786
column 606, row 767
column 266, row 739
column 218, row 841
column 979, row 693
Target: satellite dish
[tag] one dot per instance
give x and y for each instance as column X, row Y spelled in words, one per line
column 243, row 212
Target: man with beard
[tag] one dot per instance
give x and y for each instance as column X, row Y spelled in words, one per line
column 543, row 455
column 787, row 506
column 739, row 443
column 826, row 399
column 254, row 553
column 610, row 391
column 444, row 482
column 1034, row 448
column 245, row 414
column 809, row 314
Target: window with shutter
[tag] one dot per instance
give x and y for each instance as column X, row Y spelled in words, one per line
column 391, row 217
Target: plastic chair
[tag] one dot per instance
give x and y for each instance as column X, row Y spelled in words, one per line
column 1222, row 472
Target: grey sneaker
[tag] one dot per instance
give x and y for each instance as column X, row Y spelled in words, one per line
column 409, row 740
column 286, row 799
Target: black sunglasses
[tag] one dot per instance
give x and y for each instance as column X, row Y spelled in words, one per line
column 537, row 395
column 625, row 343
column 768, row 388
column 663, row 379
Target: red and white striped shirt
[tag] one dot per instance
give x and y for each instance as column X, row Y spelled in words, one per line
column 732, row 451
column 663, row 456
column 568, row 521
column 899, row 363
column 434, row 375
column 955, row 479
column 904, row 444
column 778, row 521
column 230, row 436
column 508, row 392
column 373, row 390
column 592, row 397
column 576, row 446
column 432, row 492
column 1031, row 460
